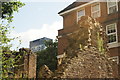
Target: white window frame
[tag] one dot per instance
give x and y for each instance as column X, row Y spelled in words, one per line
column 95, row 11
column 112, row 6
column 80, row 16
column 112, row 33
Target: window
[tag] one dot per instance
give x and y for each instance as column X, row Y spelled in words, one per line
column 81, row 13
column 112, row 6
column 112, row 33
column 32, row 48
column 95, row 10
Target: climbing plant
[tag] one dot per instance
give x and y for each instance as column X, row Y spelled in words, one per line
column 6, row 55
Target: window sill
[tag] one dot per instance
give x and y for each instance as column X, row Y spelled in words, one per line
column 109, row 14
column 113, row 45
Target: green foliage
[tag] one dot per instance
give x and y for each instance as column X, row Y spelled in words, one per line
column 48, row 56
column 7, row 57
column 100, row 44
column 8, row 8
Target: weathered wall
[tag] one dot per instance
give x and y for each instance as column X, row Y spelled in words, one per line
column 32, row 66
column 28, row 70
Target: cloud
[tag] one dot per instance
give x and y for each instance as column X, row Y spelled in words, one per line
column 47, row 30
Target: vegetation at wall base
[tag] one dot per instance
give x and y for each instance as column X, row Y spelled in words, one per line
column 47, row 57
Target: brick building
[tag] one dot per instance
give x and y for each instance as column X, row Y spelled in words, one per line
column 105, row 12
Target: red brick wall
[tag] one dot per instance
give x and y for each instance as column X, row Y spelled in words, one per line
column 114, row 51
column 69, row 19
column 62, row 45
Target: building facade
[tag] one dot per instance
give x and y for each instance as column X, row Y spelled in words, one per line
column 107, row 13
column 39, row 44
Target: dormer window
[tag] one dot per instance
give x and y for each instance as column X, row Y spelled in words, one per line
column 95, row 10
column 112, row 6
column 81, row 13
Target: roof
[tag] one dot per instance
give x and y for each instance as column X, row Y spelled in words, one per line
column 44, row 38
column 73, row 5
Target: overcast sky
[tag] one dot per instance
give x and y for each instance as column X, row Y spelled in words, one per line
column 36, row 20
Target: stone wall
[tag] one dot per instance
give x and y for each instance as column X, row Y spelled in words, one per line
column 28, row 70
column 88, row 63
column 32, row 66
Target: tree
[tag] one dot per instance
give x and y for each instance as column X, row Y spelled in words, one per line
column 8, row 8
column 48, row 56
column 6, row 55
